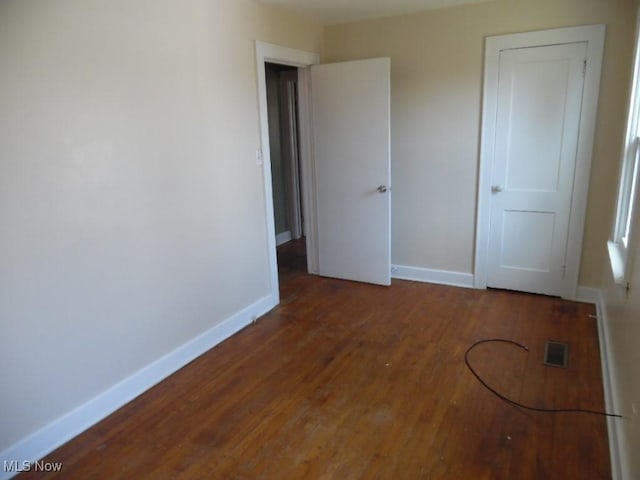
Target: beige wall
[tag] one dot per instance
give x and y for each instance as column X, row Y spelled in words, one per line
column 436, row 62
column 623, row 317
column 131, row 206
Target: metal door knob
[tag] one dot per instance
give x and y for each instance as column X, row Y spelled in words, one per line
column 383, row 189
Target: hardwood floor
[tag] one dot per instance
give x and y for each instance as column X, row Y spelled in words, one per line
column 345, row 380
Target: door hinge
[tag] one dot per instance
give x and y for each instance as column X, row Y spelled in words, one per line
column 584, row 68
column 564, row 271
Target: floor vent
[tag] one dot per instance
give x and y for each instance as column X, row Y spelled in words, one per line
column 556, row 354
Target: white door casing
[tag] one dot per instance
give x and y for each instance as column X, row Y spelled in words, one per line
column 539, row 108
column 266, row 52
column 351, row 144
column 539, row 105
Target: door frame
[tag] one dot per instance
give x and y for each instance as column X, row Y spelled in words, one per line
column 267, row 52
column 593, row 36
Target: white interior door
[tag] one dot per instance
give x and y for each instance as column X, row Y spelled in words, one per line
column 351, row 138
column 540, row 94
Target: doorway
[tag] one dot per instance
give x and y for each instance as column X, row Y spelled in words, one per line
column 283, row 120
column 323, row 144
column 269, row 53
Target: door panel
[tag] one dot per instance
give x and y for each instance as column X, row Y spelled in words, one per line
column 351, row 125
column 539, row 106
column 535, row 119
column 532, row 230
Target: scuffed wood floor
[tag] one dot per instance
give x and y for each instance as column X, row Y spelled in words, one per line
column 345, row 380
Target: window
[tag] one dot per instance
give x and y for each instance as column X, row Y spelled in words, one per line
column 623, row 227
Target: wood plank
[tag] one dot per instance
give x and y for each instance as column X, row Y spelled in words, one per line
column 346, row 380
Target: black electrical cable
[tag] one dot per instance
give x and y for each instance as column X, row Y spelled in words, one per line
column 513, row 402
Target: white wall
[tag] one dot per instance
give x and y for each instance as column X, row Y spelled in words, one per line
column 131, row 207
column 622, row 323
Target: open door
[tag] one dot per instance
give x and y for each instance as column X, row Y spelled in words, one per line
column 351, row 147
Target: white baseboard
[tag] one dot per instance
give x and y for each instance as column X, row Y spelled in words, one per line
column 283, row 237
column 428, row 275
column 588, row 295
column 617, row 449
column 60, row 431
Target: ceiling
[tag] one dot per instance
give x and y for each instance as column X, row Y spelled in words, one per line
column 340, row 11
